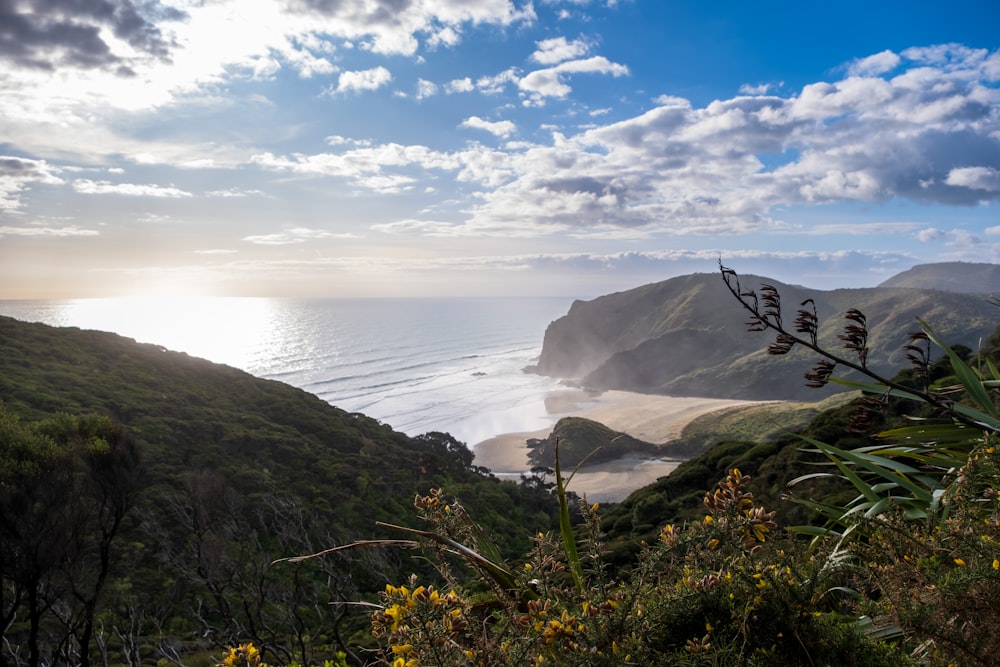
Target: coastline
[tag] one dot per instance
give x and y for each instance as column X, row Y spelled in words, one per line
column 653, row 418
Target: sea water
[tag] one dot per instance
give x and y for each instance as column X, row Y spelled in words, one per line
column 418, row 365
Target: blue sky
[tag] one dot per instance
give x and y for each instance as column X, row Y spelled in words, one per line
column 489, row 147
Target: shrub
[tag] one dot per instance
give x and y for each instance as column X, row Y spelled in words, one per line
column 728, row 589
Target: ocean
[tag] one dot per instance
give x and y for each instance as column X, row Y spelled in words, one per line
column 418, row 365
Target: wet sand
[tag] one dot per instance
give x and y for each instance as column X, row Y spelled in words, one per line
column 656, row 419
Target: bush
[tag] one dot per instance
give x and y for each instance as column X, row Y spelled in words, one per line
column 729, row 589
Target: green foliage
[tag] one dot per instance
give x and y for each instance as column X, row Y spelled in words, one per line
column 67, row 485
column 582, row 441
column 236, row 473
column 682, row 337
column 916, row 469
column 727, row 589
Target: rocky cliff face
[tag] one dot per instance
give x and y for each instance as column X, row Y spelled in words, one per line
column 688, row 336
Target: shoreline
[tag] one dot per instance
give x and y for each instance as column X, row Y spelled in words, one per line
column 650, row 417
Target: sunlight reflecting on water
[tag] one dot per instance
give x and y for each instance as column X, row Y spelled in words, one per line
column 229, row 330
column 420, row 365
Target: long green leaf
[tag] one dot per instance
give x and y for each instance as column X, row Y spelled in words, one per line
column 885, row 468
column 939, row 433
column 566, row 528
column 988, row 422
column 876, row 388
column 967, row 376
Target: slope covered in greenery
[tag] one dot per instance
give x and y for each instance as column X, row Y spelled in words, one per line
column 234, row 473
column 685, row 336
column 950, row 277
column 585, row 441
column 897, row 566
column 744, row 438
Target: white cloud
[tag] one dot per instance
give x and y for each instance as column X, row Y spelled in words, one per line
column 494, row 85
column 422, row 227
column 426, row 89
column 365, row 166
column 88, row 187
column 295, row 235
column 976, row 178
column 445, row 37
column 6, row 230
column 16, row 175
column 558, row 49
column 760, row 89
column 550, row 82
column 229, row 193
column 502, row 128
column 369, row 79
column 931, row 234
column 874, row 65
column 682, row 169
column 151, row 58
column 464, row 85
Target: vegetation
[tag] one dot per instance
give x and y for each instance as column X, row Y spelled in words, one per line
column 904, row 570
column 186, row 504
column 584, row 441
column 682, row 337
column 229, row 474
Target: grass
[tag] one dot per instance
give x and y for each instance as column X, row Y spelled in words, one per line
column 760, row 422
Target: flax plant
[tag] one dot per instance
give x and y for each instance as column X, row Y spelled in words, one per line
column 911, row 468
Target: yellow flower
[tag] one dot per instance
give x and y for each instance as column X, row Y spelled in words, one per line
column 959, row 562
column 709, row 519
column 712, row 543
column 245, row 655
column 996, row 564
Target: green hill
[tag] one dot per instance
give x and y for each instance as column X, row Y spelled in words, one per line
column 687, row 336
column 950, row 276
column 235, row 473
column 585, row 441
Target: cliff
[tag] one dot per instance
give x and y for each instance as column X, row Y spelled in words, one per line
column 687, row 336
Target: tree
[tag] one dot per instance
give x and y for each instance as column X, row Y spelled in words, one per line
column 66, row 486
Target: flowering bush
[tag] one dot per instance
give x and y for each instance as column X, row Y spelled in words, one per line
column 729, row 589
column 939, row 579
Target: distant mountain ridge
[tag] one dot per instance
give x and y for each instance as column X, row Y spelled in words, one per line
column 687, row 336
column 962, row 277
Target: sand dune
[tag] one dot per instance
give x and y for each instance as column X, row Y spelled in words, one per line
column 656, row 419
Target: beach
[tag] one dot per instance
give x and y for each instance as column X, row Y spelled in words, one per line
column 656, row 419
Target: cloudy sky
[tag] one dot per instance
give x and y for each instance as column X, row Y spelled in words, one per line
column 476, row 147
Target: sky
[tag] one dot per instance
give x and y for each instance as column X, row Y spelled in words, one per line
column 335, row 148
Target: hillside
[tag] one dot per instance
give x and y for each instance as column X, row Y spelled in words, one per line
column 586, row 442
column 233, row 473
column 687, row 336
column 951, row 277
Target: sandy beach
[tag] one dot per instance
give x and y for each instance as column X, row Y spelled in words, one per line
column 656, row 419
